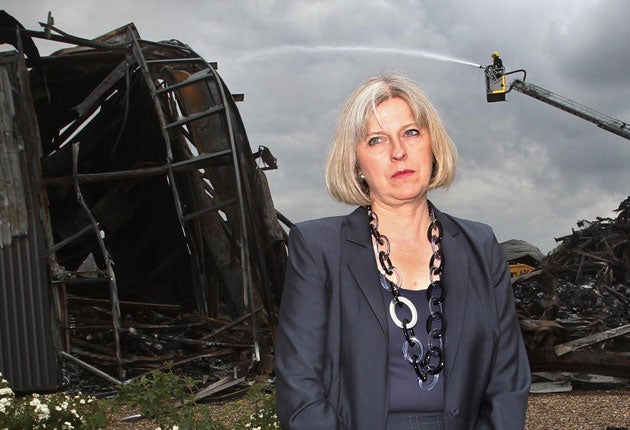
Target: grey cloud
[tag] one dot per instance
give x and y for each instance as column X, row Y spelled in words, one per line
column 529, row 170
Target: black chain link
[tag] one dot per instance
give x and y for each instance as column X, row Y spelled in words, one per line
column 432, row 363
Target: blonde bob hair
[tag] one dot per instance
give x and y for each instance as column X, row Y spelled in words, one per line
column 342, row 172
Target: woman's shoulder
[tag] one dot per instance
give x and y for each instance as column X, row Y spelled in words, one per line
column 476, row 231
column 469, row 224
column 321, row 226
column 319, row 238
column 477, row 238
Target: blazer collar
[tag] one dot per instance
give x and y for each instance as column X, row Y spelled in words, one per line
column 357, row 227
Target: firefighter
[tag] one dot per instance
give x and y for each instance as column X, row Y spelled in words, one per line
column 497, row 63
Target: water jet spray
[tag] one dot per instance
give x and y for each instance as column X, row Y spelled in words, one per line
column 288, row 49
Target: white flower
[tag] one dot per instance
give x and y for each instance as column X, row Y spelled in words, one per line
column 4, row 403
column 82, row 401
column 6, row 391
column 175, row 427
column 42, row 412
column 67, row 426
column 35, row 402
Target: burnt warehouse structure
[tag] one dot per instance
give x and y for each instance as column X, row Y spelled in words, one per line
column 128, row 192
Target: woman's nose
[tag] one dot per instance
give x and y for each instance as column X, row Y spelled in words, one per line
column 399, row 152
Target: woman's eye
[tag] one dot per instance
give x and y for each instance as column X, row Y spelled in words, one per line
column 374, row 141
column 412, row 132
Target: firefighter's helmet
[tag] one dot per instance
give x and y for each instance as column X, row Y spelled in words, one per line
column 495, row 54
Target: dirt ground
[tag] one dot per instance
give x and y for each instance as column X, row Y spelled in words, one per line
column 577, row 410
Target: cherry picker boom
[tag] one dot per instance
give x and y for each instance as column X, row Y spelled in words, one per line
column 496, row 89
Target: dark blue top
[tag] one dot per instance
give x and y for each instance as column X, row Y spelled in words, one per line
column 405, row 394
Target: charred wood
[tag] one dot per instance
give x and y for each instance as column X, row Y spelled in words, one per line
column 573, row 309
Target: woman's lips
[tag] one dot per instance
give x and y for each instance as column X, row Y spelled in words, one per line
column 402, row 173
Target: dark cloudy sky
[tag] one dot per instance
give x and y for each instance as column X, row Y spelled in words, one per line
column 526, row 168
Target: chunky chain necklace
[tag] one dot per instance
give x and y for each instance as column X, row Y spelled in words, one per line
column 429, row 364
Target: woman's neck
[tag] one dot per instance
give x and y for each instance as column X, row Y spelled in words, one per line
column 404, row 220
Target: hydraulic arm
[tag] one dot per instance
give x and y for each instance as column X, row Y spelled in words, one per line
column 606, row 122
column 496, row 88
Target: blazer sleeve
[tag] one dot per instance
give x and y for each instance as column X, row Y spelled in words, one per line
column 300, row 355
column 505, row 401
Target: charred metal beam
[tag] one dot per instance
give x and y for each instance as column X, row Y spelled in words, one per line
column 230, row 325
column 82, row 301
column 189, row 81
column 57, row 246
column 217, row 387
column 176, row 61
column 199, row 280
column 197, row 342
column 90, row 103
column 111, row 279
column 89, row 367
column 194, row 117
column 208, row 210
column 68, row 38
column 286, row 221
column 218, row 159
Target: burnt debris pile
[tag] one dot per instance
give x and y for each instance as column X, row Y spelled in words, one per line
column 574, row 307
column 215, row 352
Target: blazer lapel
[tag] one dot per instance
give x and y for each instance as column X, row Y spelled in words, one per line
column 358, row 252
column 455, row 279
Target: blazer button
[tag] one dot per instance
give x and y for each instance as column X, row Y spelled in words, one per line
column 454, row 410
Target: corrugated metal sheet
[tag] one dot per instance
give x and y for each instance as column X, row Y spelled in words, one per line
column 28, row 332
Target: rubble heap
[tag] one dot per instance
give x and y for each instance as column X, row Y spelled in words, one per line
column 573, row 309
column 599, row 250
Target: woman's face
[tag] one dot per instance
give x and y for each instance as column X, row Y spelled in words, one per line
column 395, row 157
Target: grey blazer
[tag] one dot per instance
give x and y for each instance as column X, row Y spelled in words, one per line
column 331, row 348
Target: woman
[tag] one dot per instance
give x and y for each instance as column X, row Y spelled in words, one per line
column 397, row 316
